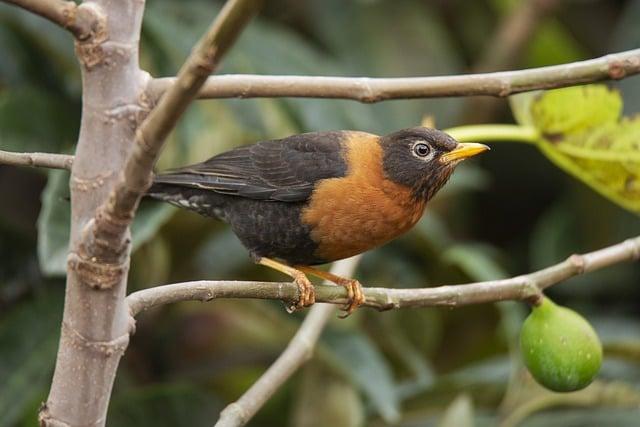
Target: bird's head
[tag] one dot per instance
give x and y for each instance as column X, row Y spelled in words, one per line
column 423, row 158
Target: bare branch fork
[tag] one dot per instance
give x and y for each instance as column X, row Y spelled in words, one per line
column 81, row 21
column 115, row 215
column 299, row 350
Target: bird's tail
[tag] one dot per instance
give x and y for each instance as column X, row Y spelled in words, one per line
column 201, row 201
column 164, row 192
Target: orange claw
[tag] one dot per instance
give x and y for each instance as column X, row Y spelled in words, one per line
column 306, row 291
column 355, row 294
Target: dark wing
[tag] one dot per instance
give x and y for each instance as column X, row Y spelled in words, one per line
column 283, row 169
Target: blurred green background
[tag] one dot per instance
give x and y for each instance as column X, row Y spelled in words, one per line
column 507, row 213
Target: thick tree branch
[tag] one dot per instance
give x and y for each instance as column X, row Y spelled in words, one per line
column 525, row 287
column 81, row 21
column 299, row 350
column 614, row 66
column 95, row 329
column 114, row 216
column 38, row 160
column 110, row 171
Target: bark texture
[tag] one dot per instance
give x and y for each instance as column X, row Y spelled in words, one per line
column 95, row 328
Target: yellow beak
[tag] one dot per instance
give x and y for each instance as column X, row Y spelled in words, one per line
column 462, row 151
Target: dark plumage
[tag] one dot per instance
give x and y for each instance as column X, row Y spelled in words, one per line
column 317, row 197
column 260, row 190
column 282, row 170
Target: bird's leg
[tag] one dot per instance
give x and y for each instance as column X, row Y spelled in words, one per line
column 354, row 289
column 305, row 287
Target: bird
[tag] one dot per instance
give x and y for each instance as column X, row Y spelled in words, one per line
column 314, row 198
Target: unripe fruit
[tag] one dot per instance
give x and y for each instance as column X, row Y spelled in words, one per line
column 560, row 348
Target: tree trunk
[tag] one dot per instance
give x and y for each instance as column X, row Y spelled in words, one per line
column 96, row 322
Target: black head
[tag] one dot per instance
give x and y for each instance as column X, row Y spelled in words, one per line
column 423, row 158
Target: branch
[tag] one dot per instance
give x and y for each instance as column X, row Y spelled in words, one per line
column 299, row 350
column 81, row 21
column 95, row 330
column 525, row 287
column 614, row 66
column 115, row 215
column 38, row 160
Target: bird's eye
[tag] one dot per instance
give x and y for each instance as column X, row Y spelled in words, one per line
column 421, row 149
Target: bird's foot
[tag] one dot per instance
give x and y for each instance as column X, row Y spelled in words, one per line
column 354, row 294
column 306, row 292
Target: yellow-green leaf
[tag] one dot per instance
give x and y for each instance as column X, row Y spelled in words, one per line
column 616, row 141
column 581, row 131
column 618, row 181
column 575, row 109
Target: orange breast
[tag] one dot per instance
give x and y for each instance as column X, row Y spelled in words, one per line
column 363, row 210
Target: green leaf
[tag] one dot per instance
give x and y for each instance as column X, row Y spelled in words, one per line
column 29, row 339
column 494, row 370
column 468, row 177
column 521, row 106
column 575, row 109
column 476, row 260
column 618, row 181
column 31, row 44
column 53, row 225
column 355, row 32
column 581, row 132
column 617, row 142
column 228, row 252
column 366, row 368
column 164, row 405
column 553, row 43
column 55, row 219
column 32, row 119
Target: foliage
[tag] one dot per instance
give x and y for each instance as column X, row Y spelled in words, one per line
column 432, row 367
column 580, row 130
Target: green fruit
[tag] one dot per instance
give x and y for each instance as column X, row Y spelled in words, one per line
column 560, row 348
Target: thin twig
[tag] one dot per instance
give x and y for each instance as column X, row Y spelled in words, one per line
column 299, row 350
column 81, row 21
column 38, row 160
column 115, row 215
column 525, row 287
column 614, row 66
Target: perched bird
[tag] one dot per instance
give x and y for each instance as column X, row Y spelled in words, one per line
column 318, row 197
